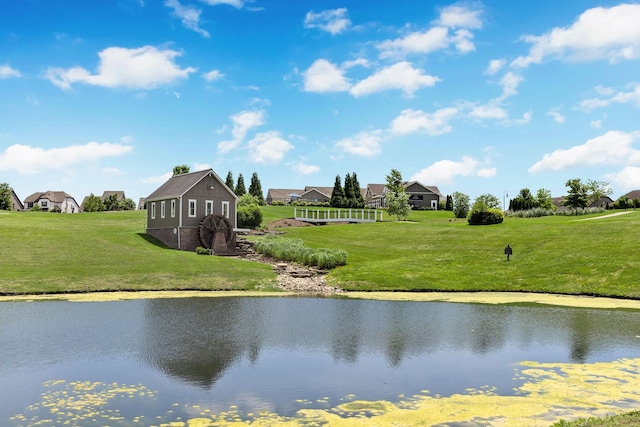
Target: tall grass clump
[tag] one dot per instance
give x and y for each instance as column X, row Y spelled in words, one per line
column 580, row 211
column 531, row 213
column 293, row 250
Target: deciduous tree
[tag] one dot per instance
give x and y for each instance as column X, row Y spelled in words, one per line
column 460, row 205
column 5, row 197
column 397, row 199
column 180, row 169
column 577, row 194
column 93, row 204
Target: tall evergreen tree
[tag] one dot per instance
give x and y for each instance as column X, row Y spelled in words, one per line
column 240, row 188
column 255, row 188
column 229, row 181
column 449, row 203
column 337, row 195
column 348, row 191
column 356, row 188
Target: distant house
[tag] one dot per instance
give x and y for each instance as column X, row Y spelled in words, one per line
column 142, row 203
column 282, row 195
column 119, row 195
column 420, row 196
column 52, row 201
column 633, row 195
column 16, row 204
column 307, row 194
column 176, row 208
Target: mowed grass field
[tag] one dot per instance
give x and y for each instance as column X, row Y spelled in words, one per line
column 432, row 251
column 44, row 252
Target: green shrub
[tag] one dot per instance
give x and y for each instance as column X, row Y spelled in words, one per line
column 203, row 251
column 293, row 250
column 249, row 216
column 485, row 216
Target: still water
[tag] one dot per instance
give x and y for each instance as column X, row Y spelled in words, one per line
column 167, row 359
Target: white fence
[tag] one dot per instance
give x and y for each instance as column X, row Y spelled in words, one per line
column 337, row 215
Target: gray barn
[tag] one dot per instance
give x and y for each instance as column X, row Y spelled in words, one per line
column 176, row 208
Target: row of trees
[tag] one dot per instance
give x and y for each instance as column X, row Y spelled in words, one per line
column 110, row 203
column 348, row 196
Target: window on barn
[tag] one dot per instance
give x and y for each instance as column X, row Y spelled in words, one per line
column 225, row 209
column 208, row 210
column 173, row 209
column 153, row 210
column 162, row 209
column 192, row 208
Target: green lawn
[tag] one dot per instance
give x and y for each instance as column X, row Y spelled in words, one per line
column 45, row 252
column 435, row 252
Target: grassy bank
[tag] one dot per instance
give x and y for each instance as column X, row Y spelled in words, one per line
column 434, row 252
column 43, row 252
column 46, row 253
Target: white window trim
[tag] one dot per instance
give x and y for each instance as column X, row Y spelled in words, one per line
column 163, row 209
column 153, row 210
column 195, row 208
column 173, row 208
column 225, row 209
column 208, row 207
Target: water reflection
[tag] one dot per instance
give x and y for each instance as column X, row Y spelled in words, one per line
column 197, row 340
column 270, row 352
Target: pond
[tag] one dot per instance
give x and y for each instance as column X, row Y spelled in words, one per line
column 312, row 361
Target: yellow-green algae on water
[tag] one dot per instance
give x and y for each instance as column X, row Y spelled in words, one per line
column 550, row 392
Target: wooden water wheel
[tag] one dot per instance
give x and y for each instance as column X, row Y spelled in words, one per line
column 217, row 233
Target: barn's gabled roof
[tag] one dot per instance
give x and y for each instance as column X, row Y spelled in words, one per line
column 178, row 185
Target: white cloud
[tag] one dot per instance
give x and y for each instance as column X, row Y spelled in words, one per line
column 438, row 37
column 365, row 144
column 242, row 123
column 189, row 15
column 494, row 66
column 333, row 21
column 612, row 34
column 7, row 72
column 268, row 147
column 323, row 76
column 142, row 68
column 488, row 111
column 628, row 178
column 28, row 160
column 526, row 118
column 459, row 16
column 433, row 39
column 556, row 116
column 596, row 124
column 412, row 121
column 630, row 97
column 444, row 172
column 212, row 75
column 612, row 148
column 112, row 171
column 401, row 76
column 238, row 4
column 305, row 169
column 510, row 83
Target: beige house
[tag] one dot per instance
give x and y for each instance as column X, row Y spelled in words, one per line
column 176, row 209
column 52, row 201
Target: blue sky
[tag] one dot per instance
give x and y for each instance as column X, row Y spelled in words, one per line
column 477, row 97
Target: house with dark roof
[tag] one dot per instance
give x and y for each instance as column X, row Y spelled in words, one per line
column 420, row 196
column 633, row 195
column 176, row 209
column 52, row 201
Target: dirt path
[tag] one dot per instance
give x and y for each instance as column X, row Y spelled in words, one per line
column 605, row 216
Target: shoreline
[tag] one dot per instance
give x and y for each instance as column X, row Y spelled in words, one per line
column 576, row 301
